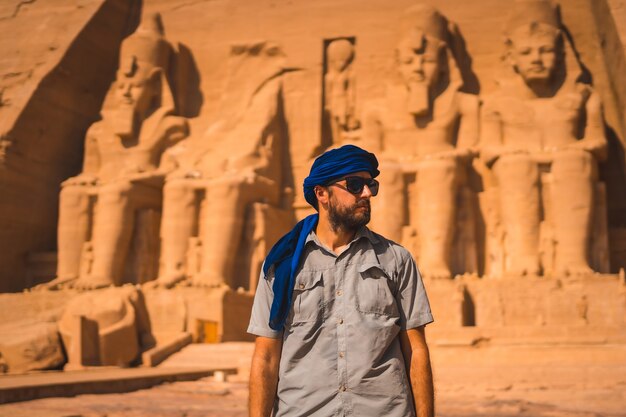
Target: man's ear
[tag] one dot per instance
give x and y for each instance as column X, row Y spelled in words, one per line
column 321, row 193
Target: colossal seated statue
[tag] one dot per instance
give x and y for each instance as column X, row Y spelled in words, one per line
column 543, row 135
column 121, row 165
column 424, row 128
column 216, row 179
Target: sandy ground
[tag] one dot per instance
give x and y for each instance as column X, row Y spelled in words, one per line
column 481, row 382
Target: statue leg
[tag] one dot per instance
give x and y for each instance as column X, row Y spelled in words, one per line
column 573, row 172
column 221, row 229
column 436, row 187
column 518, row 179
column 73, row 231
column 177, row 226
column 112, row 233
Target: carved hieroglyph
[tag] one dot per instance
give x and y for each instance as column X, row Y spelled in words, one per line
column 423, row 132
column 217, row 178
column 340, row 91
column 121, row 178
column 542, row 135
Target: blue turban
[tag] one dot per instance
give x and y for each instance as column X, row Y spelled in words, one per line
column 286, row 253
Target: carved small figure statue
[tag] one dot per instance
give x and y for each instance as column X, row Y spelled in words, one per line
column 121, row 166
column 340, row 89
column 216, row 178
column 543, row 119
column 425, row 127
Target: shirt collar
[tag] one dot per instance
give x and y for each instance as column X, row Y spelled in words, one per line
column 363, row 233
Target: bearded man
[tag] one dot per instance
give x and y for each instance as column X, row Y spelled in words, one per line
column 339, row 313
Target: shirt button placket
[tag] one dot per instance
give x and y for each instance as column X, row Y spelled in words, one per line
column 340, row 302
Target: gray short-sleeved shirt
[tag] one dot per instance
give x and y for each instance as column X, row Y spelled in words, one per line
column 341, row 355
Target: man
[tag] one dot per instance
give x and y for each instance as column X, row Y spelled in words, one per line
column 340, row 313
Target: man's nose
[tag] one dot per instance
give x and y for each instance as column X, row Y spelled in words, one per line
column 366, row 193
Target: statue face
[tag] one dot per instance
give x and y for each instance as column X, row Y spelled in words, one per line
column 535, row 56
column 134, row 91
column 419, row 61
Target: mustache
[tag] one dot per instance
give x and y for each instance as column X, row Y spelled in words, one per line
column 362, row 203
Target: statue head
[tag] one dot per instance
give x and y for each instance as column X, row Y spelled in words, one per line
column 422, row 56
column 141, row 81
column 339, row 54
column 534, row 42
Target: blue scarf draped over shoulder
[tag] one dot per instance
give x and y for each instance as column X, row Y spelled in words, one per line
column 286, row 254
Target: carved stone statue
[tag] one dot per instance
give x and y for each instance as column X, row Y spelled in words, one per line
column 216, row 179
column 425, row 129
column 121, row 166
column 542, row 135
column 340, row 89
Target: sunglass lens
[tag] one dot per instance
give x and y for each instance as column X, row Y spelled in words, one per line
column 355, row 184
column 373, row 186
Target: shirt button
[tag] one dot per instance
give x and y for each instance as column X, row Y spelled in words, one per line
column 340, row 321
column 301, row 286
column 341, row 354
column 342, row 388
column 339, row 293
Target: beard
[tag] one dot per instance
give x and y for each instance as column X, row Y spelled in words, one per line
column 350, row 218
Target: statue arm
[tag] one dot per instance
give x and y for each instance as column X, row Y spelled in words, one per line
column 594, row 140
column 172, row 130
column 490, row 134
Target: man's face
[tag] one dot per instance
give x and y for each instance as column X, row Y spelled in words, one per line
column 535, row 56
column 346, row 210
column 419, row 60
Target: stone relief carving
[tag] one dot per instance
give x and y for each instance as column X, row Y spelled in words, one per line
column 543, row 136
column 339, row 91
column 121, row 178
column 217, row 179
column 424, row 131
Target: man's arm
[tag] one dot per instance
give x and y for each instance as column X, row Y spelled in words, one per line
column 264, row 376
column 417, row 360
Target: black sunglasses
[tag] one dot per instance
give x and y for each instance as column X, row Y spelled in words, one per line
column 355, row 185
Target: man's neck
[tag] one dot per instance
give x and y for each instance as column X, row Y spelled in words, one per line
column 335, row 240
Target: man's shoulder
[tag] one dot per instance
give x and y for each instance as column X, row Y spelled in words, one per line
column 387, row 248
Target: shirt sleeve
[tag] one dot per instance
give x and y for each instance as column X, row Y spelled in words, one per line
column 260, row 317
column 411, row 296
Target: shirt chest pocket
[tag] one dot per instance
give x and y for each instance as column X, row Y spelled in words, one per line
column 373, row 291
column 308, row 298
